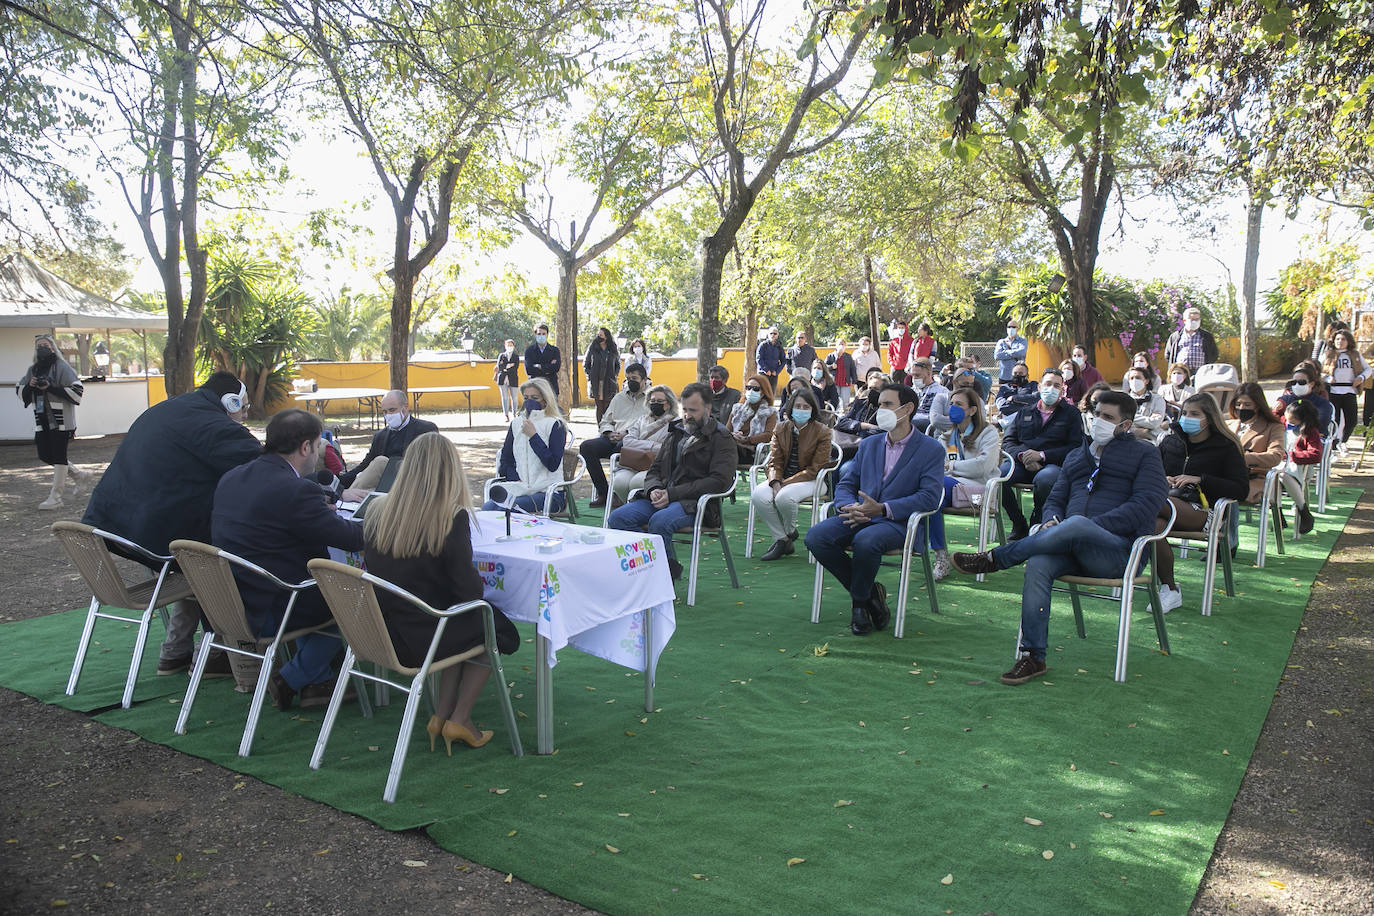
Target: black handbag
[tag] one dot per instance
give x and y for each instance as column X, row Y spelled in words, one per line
column 1189, row 493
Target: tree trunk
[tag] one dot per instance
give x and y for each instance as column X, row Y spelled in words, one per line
column 1249, row 345
column 1079, row 279
column 872, row 302
column 714, row 249
column 398, row 350
column 565, row 333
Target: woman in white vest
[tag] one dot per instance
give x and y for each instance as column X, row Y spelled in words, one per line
column 532, row 457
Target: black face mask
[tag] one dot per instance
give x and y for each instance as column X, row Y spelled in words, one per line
column 1245, row 415
column 632, row 385
column 873, row 397
column 44, row 358
column 658, row 409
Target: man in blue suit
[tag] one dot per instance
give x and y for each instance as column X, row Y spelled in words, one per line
column 892, row 477
column 271, row 512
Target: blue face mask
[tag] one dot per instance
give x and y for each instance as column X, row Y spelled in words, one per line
column 532, row 406
column 956, row 414
column 1190, row 425
column 801, row 416
column 541, row 338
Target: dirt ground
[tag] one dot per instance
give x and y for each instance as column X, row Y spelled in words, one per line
column 99, row 820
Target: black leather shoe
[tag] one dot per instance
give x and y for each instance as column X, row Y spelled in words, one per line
column 777, row 551
column 974, row 564
column 859, row 622
column 1305, row 520
column 598, row 503
column 792, row 535
column 1018, row 532
column 675, row 569
column 878, row 610
column 282, row 692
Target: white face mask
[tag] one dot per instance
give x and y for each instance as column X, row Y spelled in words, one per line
column 1050, row 395
column 917, row 382
column 1068, row 374
column 1079, row 361
column 510, row 351
column 1104, row 431
column 885, row 419
column 1192, row 324
column 1137, row 385
column 863, row 348
column 753, row 397
column 1179, row 378
column 1302, row 390
column 1140, row 364
column 395, row 420
column 639, row 351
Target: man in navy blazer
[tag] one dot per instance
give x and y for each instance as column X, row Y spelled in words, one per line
column 890, row 479
column 271, row 512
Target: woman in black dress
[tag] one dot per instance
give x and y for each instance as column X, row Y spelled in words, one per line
column 419, row 538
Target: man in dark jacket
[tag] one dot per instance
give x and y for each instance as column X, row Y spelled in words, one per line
column 1018, row 392
column 272, row 513
column 1190, row 344
column 723, row 397
column 1038, row 440
column 1112, row 488
column 698, row 457
column 161, row 482
column 401, row 430
column 800, row 358
column 542, row 359
column 769, row 357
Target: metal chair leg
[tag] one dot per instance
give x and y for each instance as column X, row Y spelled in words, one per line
column 1077, row 611
column 332, row 713
column 83, row 645
column 729, row 558
column 197, row 673
column 816, row 594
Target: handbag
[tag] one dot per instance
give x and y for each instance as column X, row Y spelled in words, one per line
column 1189, row 493
column 637, row 459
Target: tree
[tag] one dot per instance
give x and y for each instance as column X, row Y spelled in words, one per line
column 348, row 323
column 420, row 86
column 758, row 112
column 191, row 95
column 499, row 309
column 625, row 152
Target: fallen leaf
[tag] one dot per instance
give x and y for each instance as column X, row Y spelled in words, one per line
column 512, row 833
column 863, row 724
column 495, row 791
column 1279, row 884
column 623, row 814
column 373, row 747
column 1225, row 752
column 239, row 785
column 611, row 849
column 1047, row 854
column 947, row 880
column 1157, row 812
column 700, row 877
column 1073, row 845
column 415, row 863
column 821, row 651
column 1073, row 767
column 508, row 877
column 843, row 803
column 578, row 784
column 321, row 852
column 794, row 861
column 1033, row 822
column 629, row 734
column 1104, row 814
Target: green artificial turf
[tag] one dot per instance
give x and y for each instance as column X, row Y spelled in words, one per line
column 886, row 765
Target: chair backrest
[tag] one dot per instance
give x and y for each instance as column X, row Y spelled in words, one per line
column 352, row 600
column 212, row 579
column 90, row 553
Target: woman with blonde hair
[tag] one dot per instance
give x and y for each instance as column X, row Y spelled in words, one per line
column 1179, row 388
column 419, row 537
column 532, row 456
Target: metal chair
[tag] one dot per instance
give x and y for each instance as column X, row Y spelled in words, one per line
column 700, row 529
column 904, row 586
column 1125, row 585
column 1218, row 538
column 1270, row 515
column 210, row 572
column 352, row 597
column 990, row 512
column 566, row 485
column 816, row 499
column 89, row 551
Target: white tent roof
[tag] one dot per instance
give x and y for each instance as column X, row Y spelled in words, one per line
column 33, row 297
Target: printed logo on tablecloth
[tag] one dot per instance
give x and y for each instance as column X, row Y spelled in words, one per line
column 493, row 574
column 633, row 640
column 636, row 556
column 548, row 590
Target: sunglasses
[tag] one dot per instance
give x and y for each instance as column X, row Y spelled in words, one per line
column 752, row 388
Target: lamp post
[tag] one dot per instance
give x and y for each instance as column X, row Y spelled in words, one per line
column 468, row 343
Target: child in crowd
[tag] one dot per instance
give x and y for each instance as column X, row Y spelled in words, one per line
column 1303, row 443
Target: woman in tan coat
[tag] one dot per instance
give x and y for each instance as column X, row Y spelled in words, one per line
column 800, row 449
column 1261, row 436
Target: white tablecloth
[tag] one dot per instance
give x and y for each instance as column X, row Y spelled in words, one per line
column 590, row 596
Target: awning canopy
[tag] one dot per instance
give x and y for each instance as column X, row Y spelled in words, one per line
column 31, row 296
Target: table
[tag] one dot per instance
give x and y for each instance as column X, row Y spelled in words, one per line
column 466, row 390
column 370, row 396
column 613, row 600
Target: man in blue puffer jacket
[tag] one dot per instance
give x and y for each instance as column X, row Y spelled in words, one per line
column 1109, row 494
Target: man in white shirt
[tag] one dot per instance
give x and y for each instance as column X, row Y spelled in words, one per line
column 625, row 408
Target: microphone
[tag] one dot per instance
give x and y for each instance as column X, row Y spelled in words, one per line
column 331, row 483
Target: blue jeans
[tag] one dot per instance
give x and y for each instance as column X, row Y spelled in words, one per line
column 640, row 515
column 1043, row 481
column 312, row 663
column 937, row 521
column 1077, row 546
column 827, row 542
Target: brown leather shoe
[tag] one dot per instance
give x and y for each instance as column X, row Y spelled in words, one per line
column 974, row 563
column 1024, row 669
column 319, row 694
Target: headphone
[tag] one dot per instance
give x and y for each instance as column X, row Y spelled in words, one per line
column 233, row 403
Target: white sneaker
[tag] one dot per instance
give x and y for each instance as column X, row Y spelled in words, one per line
column 1170, row 599
column 52, row 502
column 940, row 568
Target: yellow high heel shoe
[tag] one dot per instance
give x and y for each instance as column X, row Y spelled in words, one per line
column 435, row 726
column 455, row 732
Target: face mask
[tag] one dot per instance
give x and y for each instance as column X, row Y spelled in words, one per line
column 1011, row 332
column 1292, row 428
column 1079, row 361
column 510, row 351
column 1302, row 390
column 801, row 416
column 717, row 385
column 1190, row 425
column 1068, row 374
column 395, row 420
column 1192, row 324
column 917, row 382
column 885, row 419
column 44, row 357
column 1137, row 385
column 753, row 397
column 863, row 348
column 1245, row 414
column 873, row 398
column 532, row 406
column 1141, row 364
column 1018, row 379
column 817, row 374
column 1179, row 378
column 639, row 351
column 632, row 385
column 956, row 414
column 541, row 339
column 657, row 409
column 1104, row 431
column 1050, row 395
